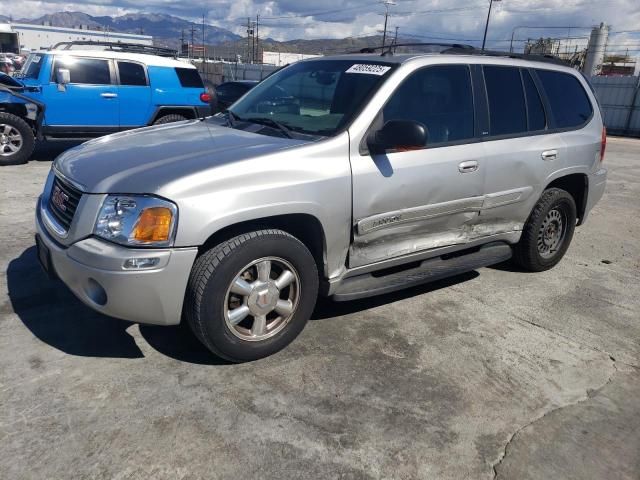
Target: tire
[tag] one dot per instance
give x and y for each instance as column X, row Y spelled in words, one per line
column 170, row 118
column 548, row 231
column 16, row 140
column 211, row 297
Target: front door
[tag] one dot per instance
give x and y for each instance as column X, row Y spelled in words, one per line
column 89, row 102
column 411, row 201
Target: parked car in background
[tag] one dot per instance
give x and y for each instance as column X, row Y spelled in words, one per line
column 102, row 88
column 227, row 93
column 345, row 176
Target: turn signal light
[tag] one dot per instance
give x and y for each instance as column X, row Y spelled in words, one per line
column 154, row 225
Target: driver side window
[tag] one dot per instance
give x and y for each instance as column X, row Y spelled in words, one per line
column 439, row 97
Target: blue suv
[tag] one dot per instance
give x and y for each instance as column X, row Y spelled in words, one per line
column 66, row 93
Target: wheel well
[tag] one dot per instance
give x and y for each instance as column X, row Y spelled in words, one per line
column 304, row 227
column 186, row 112
column 577, row 185
column 17, row 109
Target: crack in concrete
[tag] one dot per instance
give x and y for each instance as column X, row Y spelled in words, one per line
column 589, row 393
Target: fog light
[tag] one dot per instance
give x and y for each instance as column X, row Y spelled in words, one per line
column 140, row 263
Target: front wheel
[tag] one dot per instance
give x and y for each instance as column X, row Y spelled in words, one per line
column 251, row 296
column 548, row 231
column 16, row 140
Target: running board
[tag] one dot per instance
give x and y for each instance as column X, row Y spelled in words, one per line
column 368, row 285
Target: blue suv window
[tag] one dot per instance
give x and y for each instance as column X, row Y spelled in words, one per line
column 84, row 70
column 132, row 74
column 189, row 78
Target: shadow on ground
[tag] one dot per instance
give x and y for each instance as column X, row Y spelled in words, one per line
column 47, row 151
column 55, row 316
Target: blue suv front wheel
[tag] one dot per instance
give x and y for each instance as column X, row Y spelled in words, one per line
column 16, row 140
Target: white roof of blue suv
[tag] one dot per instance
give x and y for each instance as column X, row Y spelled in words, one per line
column 147, row 59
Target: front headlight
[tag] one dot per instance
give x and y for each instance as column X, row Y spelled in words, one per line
column 137, row 220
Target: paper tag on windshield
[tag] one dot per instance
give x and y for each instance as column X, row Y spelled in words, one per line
column 369, row 69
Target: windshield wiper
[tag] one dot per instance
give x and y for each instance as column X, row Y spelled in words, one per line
column 269, row 122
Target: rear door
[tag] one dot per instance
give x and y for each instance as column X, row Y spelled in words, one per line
column 134, row 93
column 89, row 101
column 520, row 149
column 410, row 201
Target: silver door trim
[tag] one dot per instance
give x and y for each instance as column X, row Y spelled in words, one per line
column 424, row 212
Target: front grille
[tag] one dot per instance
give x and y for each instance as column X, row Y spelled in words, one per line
column 63, row 202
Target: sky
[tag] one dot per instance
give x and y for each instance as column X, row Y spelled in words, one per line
column 428, row 20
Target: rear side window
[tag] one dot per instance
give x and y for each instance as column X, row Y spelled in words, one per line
column 440, row 98
column 507, row 111
column 570, row 105
column 84, row 70
column 535, row 110
column 189, row 78
column 132, row 74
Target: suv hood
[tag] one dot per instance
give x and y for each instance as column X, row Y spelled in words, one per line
column 146, row 159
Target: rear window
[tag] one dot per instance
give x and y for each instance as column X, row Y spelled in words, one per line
column 507, row 110
column 570, row 105
column 132, row 74
column 189, row 78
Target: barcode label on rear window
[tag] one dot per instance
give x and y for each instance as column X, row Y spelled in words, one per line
column 369, row 69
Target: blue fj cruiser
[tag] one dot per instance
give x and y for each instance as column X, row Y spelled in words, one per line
column 68, row 93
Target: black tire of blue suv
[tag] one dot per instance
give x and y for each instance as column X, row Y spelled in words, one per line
column 548, row 231
column 170, row 118
column 13, row 123
column 210, row 289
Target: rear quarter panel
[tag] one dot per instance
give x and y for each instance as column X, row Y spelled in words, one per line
column 166, row 89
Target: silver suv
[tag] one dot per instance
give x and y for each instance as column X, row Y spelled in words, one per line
column 348, row 176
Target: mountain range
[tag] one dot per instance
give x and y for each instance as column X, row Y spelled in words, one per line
column 168, row 31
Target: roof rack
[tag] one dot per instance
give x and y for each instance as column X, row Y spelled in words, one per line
column 118, row 47
column 464, row 49
column 444, row 47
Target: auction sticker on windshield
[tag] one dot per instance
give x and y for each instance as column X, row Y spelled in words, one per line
column 369, row 69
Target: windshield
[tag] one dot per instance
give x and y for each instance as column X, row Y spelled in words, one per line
column 32, row 66
column 318, row 97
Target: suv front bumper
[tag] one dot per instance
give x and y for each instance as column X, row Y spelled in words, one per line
column 93, row 270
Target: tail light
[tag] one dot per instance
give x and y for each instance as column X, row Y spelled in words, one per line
column 603, row 143
column 205, row 97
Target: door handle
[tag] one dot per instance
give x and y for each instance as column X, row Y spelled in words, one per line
column 468, row 167
column 108, row 95
column 549, row 155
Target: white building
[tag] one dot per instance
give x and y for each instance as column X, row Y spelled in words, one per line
column 38, row 37
column 280, row 59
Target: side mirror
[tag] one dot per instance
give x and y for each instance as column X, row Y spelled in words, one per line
column 63, row 76
column 398, row 135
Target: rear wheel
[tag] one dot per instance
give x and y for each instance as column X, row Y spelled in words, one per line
column 251, row 296
column 170, row 118
column 548, row 232
column 16, row 140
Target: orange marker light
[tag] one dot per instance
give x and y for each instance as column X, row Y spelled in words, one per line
column 154, row 225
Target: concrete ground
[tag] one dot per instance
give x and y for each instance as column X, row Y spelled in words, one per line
column 493, row 373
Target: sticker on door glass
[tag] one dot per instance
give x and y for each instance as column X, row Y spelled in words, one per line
column 369, row 69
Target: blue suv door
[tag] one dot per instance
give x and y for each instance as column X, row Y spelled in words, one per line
column 134, row 94
column 90, row 100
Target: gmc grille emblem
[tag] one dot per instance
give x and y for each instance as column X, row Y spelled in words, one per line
column 58, row 197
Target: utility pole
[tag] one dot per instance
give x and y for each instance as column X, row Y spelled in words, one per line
column 193, row 31
column 486, row 27
column 249, row 32
column 387, row 4
column 182, row 43
column 257, row 38
column 204, row 49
